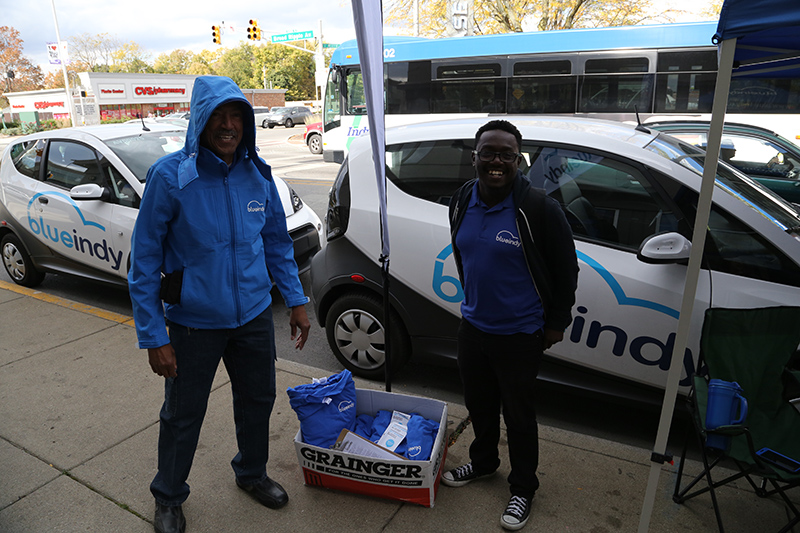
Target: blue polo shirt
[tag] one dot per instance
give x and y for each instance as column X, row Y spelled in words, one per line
column 499, row 295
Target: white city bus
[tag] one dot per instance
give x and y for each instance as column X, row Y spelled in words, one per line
column 660, row 70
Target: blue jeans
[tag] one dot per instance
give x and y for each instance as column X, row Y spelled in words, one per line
column 499, row 375
column 249, row 356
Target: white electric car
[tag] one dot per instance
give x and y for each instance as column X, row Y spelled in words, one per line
column 630, row 196
column 69, row 200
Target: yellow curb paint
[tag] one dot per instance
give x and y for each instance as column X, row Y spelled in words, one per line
column 75, row 306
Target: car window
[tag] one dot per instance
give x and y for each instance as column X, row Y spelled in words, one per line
column 431, row 170
column 605, row 199
column 140, row 151
column 731, row 246
column 27, row 157
column 122, row 192
column 70, row 164
column 753, row 156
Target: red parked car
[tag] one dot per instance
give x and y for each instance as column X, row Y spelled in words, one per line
column 313, row 137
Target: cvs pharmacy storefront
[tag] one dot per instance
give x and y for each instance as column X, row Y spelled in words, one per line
column 121, row 96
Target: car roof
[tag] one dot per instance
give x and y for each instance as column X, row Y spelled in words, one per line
column 610, row 136
column 105, row 132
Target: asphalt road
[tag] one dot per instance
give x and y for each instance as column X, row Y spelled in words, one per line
column 311, row 178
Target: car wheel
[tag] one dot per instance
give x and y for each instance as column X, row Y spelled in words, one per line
column 289, row 123
column 18, row 263
column 315, row 143
column 356, row 335
column 264, row 125
column 270, row 126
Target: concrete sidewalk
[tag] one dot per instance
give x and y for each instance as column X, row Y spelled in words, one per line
column 79, row 424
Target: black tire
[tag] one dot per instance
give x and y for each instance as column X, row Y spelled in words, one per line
column 264, row 124
column 315, row 143
column 270, row 126
column 18, row 263
column 355, row 332
column 289, row 123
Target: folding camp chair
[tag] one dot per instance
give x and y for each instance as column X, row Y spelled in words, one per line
column 751, row 347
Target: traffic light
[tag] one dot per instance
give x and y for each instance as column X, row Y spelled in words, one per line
column 253, row 31
column 216, row 33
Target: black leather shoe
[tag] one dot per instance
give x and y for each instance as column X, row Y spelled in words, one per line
column 268, row 492
column 169, row 519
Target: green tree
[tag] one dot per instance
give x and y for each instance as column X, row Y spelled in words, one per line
column 176, row 62
column 27, row 76
column 204, row 63
column 282, row 67
column 237, row 64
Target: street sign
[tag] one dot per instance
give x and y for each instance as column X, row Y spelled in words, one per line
column 329, row 45
column 294, row 36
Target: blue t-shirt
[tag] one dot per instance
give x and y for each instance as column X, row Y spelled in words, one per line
column 499, row 294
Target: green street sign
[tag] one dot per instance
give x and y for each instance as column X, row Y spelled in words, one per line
column 329, row 45
column 295, row 36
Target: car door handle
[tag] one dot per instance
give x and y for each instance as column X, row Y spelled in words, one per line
column 43, row 200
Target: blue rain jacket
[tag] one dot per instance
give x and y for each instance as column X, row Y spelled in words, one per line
column 224, row 227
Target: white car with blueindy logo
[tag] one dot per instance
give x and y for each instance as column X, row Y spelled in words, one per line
column 630, row 196
column 69, row 200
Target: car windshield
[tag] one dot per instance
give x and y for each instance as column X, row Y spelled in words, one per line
column 139, row 152
column 280, row 110
column 732, row 181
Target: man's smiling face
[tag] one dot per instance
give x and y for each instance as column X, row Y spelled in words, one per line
column 223, row 131
column 495, row 177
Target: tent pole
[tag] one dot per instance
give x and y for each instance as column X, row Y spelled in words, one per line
column 659, row 456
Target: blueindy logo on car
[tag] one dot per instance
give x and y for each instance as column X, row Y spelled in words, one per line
column 73, row 238
column 641, row 349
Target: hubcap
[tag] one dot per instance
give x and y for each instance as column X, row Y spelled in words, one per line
column 360, row 338
column 12, row 259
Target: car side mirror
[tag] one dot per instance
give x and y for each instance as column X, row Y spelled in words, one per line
column 665, row 248
column 89, row 191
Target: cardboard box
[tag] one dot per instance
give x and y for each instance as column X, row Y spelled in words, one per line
column 400, row 479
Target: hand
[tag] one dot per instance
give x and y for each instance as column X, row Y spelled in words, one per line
column 551, row 337
column 299, row 318
column 162, row 361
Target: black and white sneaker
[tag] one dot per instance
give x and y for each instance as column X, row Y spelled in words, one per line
column 458, row 477
column 516, row 513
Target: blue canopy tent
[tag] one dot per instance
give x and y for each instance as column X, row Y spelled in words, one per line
column 755, row 38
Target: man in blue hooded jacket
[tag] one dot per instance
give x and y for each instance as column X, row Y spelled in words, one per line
column 210, row 231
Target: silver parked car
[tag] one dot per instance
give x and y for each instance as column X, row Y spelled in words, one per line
column 69, row 200
column 287, row 116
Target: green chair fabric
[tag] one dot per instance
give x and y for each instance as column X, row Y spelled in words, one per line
column 752, row 347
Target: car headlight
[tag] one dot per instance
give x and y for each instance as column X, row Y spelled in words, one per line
column 297, row 203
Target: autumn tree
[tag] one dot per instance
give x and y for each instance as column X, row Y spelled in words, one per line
column 93, row 53
column 130, row 57
column 506, row 16
column 27, row 76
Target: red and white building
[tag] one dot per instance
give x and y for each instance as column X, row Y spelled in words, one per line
column 105, row 95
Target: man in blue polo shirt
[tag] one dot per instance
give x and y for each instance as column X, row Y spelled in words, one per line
column 516, row 260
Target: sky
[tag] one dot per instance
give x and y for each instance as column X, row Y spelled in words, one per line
column 160, row 26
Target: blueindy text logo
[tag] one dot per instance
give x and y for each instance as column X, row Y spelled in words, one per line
column 71, row 238
column 644, row 350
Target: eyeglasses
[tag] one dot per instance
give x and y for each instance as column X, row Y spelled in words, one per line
column 505, row 157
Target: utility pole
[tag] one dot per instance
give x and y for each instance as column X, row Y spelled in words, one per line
column 64, row 68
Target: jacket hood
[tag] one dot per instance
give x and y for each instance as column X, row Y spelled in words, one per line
column 208, row 93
